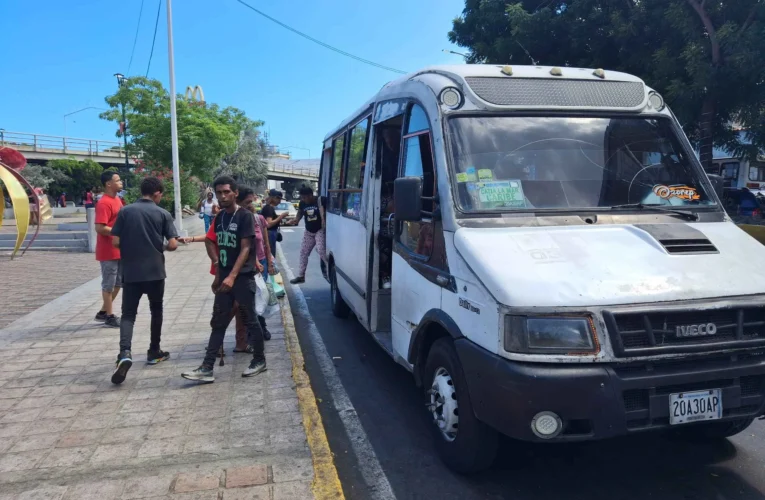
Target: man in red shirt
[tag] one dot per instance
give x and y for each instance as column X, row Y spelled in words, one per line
column 111, row 270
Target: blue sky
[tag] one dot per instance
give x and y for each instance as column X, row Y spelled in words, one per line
column 60, row 56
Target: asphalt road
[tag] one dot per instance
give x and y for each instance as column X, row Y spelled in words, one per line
column 391, row 412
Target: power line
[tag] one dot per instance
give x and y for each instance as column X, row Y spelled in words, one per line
column 135, row 40
column 319, row 42
column 154, row 39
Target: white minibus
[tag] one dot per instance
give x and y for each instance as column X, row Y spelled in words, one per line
column 542, row 249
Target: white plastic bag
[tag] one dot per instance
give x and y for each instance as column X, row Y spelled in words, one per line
column 261, row 295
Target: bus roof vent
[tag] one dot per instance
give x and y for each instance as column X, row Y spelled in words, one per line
column 679, row 239
column 686, row 247
column 544, row 92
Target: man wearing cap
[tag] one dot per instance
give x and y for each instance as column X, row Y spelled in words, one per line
column 269, row 213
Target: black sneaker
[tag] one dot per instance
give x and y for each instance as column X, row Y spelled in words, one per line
column 201, row 374
column 266, row 334
column 101, row 316
column 124, row 362
column 112, row 322
column 154, row 357
column 299, row 279
column 256, row 366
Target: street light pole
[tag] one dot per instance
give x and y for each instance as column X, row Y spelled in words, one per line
column 174, row 121
column 298, row 147
column 455, row 53
column 121, row 82
column 75, row 112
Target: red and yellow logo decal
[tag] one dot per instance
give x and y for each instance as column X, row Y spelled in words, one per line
column 680, row 191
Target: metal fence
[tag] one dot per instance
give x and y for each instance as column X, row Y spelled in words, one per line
column 26, row 142
column 288, row 168
column 56, row 144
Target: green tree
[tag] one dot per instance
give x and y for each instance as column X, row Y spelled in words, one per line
column 80, row 174
column 247, row 164
column 206, row 132
column 705, row 58
column 53, row 180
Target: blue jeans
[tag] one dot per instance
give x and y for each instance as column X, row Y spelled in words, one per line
column 208, row 221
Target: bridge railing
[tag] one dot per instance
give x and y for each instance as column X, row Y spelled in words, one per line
column 56, row 144
column 292, row 169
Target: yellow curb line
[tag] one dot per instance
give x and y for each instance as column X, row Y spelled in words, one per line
column 326, row 483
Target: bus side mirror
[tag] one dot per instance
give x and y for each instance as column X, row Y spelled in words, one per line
column 718, row 183
column 408, row 199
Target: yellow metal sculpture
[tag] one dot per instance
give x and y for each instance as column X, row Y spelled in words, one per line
column 11, row 161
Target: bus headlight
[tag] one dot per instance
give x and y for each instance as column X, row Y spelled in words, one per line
column 451, row 98
column 656, row 101
column 550, row 335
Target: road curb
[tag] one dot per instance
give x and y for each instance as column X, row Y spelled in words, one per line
column 326, row 482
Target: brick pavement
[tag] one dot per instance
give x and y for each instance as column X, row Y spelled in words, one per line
column 66, row 432
column 35, row 279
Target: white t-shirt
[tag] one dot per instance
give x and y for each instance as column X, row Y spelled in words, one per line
column 207, row 207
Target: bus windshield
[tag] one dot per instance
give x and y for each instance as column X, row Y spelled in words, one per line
column 504, row 163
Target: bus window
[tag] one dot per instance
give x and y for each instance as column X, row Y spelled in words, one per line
column 337, row 174
column 730, row 173
column 757, row 172
column 418, row 162
column 354, row 177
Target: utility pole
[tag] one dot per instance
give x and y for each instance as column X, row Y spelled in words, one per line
column 121, row 82
column 174, row 121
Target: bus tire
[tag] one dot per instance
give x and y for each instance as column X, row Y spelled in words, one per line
column 339, row 308
column 465, row 444
column 713, row 430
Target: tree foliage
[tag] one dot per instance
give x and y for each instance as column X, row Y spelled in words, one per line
column 206, row 133
column 53, row 180
column 705, row 58
column 77, row 176
column 247, row 164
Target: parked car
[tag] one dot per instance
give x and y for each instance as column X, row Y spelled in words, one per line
column 286, row 206
column 742, row 202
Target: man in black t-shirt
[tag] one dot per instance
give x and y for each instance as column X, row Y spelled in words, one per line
column 234, row 281
column 140, row 232
column 311, row 209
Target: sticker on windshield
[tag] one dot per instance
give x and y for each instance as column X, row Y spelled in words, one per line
column 680, row 191
column 470, row 173
column 501, row 194
column 485, row 174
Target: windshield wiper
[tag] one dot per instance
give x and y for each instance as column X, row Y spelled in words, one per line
column 658, row 208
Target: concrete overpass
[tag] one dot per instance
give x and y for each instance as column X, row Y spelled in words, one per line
column 39, row 148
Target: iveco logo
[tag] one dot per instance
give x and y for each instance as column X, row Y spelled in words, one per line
column 696, row 330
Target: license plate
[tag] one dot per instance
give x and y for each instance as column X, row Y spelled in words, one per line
column 686, row 407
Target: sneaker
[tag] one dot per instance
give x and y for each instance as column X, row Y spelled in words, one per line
column 386, row 283
column 266, row 334
column 201, row 374
column 124, row 362
column 299, row 279
column 101, row 316
column 154, row 357
column 254, row 368
column 112, row 321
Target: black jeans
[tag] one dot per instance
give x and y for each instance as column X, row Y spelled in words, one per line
column 131, row 296
column 243, row 292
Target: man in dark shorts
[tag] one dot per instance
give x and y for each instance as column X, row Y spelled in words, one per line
column 234, row 281
column 140, row 233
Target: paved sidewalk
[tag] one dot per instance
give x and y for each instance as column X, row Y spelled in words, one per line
column 66, row 432
column 35, row 279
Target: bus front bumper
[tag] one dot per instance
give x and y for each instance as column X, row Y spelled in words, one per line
column 596, row 401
